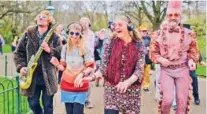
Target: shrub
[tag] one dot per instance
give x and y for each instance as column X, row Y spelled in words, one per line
column 198, row 25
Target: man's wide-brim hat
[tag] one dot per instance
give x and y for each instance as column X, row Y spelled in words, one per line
column 174, row 7
column 143, row 27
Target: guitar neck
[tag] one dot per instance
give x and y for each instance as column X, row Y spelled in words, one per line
column 38, row 54
column 47, row 38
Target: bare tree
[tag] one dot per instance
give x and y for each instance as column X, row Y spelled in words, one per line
column 189, row 5
column 71, row 11
column 15, row 7
column 19, row 14
column 158, row 9
column 133, row 10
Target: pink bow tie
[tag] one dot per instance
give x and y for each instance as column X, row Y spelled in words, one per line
column 173, row 30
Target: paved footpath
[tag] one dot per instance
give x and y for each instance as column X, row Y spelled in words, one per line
column 148, row 105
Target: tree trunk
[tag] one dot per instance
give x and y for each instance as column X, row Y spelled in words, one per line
column 158, row 14
column 140, row 18
column 155, row 26
column 197, row 12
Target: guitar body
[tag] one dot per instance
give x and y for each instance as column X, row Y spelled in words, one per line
column 26, row 80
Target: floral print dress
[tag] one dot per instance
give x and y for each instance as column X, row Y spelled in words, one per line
column 119, row 62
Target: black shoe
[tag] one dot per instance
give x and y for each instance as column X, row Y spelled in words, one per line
column 88, row 105
column 197, row 101
column 97, row 85
column 146, row 90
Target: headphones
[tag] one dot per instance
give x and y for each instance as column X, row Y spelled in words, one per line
column 68, row 27
column 130, row 27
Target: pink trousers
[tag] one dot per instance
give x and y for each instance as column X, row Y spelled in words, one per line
column 178, row 79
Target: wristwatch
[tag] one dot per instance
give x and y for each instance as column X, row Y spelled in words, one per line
column 93, row 77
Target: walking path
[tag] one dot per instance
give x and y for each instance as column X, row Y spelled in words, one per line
column 148, row 105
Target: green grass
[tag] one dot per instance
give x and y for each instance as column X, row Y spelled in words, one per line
column 8, row 97
column 7, row 48
column 201, row 40
column 201, row 71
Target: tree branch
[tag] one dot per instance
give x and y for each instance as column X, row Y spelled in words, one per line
column 146, row 11
column 13, row 11
column 154, row 7
column 131, row 15
column 163, row 14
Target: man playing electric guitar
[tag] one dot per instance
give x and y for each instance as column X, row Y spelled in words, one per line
column 44, row 78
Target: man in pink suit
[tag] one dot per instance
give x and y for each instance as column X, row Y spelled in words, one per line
column 176, row 50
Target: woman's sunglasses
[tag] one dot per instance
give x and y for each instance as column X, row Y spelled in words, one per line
column 144, row 30
column 76, row 33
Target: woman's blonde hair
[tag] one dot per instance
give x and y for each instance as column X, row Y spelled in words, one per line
column 81, row 44
column 135, row 35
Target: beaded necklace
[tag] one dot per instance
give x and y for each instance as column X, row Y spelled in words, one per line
column 164, row 30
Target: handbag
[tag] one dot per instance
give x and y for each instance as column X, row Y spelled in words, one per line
column 68, row 76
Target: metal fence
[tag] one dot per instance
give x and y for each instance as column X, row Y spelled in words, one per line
column 11, row 102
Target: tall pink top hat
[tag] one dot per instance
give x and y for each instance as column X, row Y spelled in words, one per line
column 174, row 6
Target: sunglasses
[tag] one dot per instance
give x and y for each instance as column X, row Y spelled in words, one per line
column 144, row 30
column 175, row 15
column 42, row 16
column 76, row 33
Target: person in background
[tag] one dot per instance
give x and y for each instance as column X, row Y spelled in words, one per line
column 59, row 30
column 194, row 75
column 111, row 25
column 90, row 42
column 147, row 67
column 14, row 43
column 110, row 31
column 195, row 82
column 108, row 34
column 88, row 33
column 77, row 62
column 61, row 33
column 2, row 42
column 101, row 36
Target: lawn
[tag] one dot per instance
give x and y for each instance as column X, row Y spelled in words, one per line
column 8, row 97
column 202, row 45
column 201, row 71
column 7, row 48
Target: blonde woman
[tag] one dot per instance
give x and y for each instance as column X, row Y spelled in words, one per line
column 122, row 68
column 78, row 62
